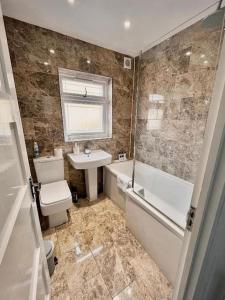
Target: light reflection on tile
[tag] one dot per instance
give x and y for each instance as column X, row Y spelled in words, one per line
column 132, row 292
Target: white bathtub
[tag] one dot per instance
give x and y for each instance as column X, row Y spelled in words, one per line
column 155, row 209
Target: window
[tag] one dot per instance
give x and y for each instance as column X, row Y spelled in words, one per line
column 86, row 101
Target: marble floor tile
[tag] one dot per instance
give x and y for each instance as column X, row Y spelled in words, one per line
column 76, row 295
column 104, row 205
column 127, row 246
column 76, row 218
column 151, row 279
column 48, row 232
column 59, row 286
column 95, row 288
column 99, row 258
column 74, row 207
column 133, row 292
column 69, row 238
column 62, row 295
column 78, row 270
column 66, row 240
column 112, row 270
column 98, row 238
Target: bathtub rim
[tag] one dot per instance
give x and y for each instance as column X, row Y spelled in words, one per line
column 116, row 172
column 165, row 221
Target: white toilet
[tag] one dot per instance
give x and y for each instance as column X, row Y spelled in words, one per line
column 55, row 195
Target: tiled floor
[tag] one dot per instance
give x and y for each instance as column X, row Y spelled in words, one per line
column 100, row 259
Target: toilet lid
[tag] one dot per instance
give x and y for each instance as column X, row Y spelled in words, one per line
column 54, row 192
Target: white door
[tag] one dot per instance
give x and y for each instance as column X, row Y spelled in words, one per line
column 207, row 195
column 23, row 267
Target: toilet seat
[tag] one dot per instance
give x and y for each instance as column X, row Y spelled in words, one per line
column 55, row 197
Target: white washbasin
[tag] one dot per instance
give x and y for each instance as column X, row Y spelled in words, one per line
column 97, row 158
column 90, row 163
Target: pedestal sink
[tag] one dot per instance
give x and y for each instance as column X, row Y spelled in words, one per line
column 90, row 163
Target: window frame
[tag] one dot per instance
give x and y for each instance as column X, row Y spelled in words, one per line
column 105, row 101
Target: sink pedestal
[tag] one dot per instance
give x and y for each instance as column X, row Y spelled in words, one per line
column 91, row 183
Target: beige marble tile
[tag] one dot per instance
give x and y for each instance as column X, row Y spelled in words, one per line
column 70, row 237
column 89, row 218
column 95, row 288
column 66, row 240
column 48, row 232
column 104, row 204
column 74, row 207
column 150, row 279
column 112, row 270
column 62, row 295
column 123, row 238
column 133, row 292
column 103, row 260
column 76, row 295
column 78, row 270
column 92, row 289
column 76, row 218
column 98, row 238
column 59, row 286
column 128, row 249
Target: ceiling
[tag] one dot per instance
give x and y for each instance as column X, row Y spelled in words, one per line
column 101, row 22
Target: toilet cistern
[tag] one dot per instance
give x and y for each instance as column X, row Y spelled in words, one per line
column 90, row 163
column 55, row 195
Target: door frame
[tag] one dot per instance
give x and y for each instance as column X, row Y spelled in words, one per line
column 207, row 196
column 39, row 268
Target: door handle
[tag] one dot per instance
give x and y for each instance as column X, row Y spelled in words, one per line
column 34, row 187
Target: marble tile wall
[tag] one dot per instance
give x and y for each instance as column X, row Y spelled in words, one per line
column 176, row 82
column 37, row 89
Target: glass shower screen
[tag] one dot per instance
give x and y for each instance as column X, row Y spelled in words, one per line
column 175, row 83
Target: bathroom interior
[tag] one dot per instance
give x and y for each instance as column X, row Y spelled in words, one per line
column 114, row 134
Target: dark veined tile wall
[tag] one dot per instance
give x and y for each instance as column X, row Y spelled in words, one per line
column 37, row 89
column 175, row 88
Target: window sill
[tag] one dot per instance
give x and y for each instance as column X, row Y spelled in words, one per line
column 87, row 139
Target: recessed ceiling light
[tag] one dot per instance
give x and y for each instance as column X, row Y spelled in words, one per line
column 71, row 2
column 127, row 24
column 88, row 61
column 202, row 55
column 205, row 62
column 188, row 53
column 46, row 63
column 52, row 51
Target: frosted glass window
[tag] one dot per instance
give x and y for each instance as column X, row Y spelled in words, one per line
column 86, row 101
column 75, row 121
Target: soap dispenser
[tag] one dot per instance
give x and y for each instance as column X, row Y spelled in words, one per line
column 36, row 150
column 76, row 149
